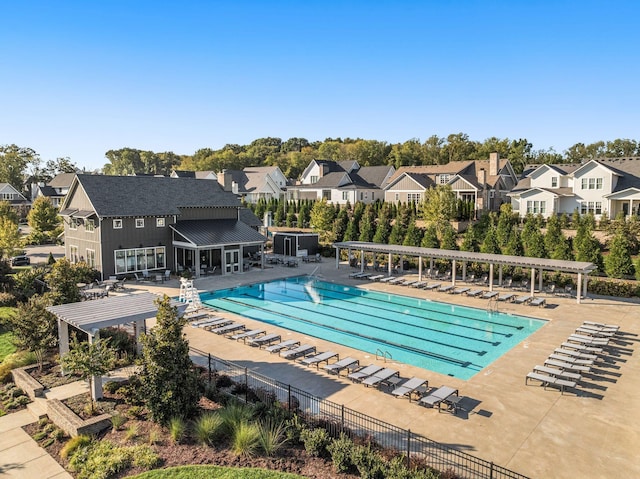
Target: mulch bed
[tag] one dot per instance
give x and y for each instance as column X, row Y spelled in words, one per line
column 51, row 377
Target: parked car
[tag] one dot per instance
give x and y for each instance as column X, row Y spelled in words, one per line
column 20, row 260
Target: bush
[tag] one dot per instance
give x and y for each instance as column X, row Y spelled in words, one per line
column 131, row 433
column 315, row 441
column 295, row 426
column 7, row 299
column 208, row 427
column 223, row 381
column 112, row 386
column 369, row 463
column 74, row 444
column 246, row 438
column 145, row 457
column 340, row 451
column 620, row 289
column 177, row 429
column 271, row 436
column 117, row 421
column 155, row 436
column 135, row 412
column 15, row 360
column 234, row 414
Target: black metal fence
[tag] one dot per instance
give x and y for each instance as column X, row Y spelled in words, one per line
column 337, row 418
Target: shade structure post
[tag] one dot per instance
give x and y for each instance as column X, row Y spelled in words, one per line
column 533, row 281
column 490, row 276
column 453, row 272
column 579, row 288
column 540, row 276
column 96, row 381
column 419, row 268
column 464, row 271
column 361, row 260
column 337, row 258
column 63, row 339
column 389, row 266
column 500, row 275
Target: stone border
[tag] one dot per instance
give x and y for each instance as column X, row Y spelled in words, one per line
column 71, row 423
column 26, row 382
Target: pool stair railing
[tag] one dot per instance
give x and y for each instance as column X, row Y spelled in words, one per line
column 492, row 305
column 380, row 354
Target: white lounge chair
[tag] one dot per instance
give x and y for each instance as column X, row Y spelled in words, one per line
column 582, row 347
column 567, row 365
column 376, row 277
column 364, row 372
column 264, row 340
column 432, row 286
column 319, row 358
column 523, row 299
column 460, row 290
column 489, row 294
column 381, row 377
column 547, row 380
column 474, row 292
column 601, row 325
column 540, row 302
column 588, row 340
column 345, row 363
column 506, row 297
column 575, row 354
column 387, row 279
column 443, row 395
column 557, row 372
column 229, row 328
column 446, row 288
column 302, row 350
column 247, row 334
column 419, row 284
column 288, row 344
column 409, row 387
column 594, row 333
column 571, row 360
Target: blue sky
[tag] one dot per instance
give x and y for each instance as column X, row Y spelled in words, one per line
column 82, row 77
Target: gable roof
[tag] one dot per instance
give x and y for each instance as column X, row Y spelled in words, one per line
column 62, row 180
column 120, row 196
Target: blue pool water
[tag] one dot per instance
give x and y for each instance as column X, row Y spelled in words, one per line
column 449, row 339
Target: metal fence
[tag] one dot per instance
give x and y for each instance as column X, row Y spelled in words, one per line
column 337, row 418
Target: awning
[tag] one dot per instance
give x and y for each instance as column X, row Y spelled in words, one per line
column 216, row 233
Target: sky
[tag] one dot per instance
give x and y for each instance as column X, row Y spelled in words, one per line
column 79, row 78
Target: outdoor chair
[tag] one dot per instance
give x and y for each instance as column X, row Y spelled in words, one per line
column 594, row 333
column 443, row 395
column 345, row 363
column 264, row 340
column 539, row 302
column 582, row 347
column 364, row 372
column 557, row 372
column 247, row 335
column 575, row 354
column 229, row 328
column 571, row 360
column 288, row 344
column 381, row 377
column 489, row 294
column 475, row 292
column 523, row 299
column 319, row 358
column 303, row 350
column 446, row 288
column 409, row 387
column 460, row 290
column 419, row 284
column 564, row 365
column 547, row 380
column 432, row 286
column 602, row 325
column 506, row 297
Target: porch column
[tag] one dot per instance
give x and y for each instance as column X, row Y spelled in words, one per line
column 490, row 276
column 584, row 285
column 337, row 257
column 500, row 275
column 579, row 288
column 96, row 381
column 431, row 267
column 362, row 261
column 419, row 268
column 63, row 339
column 262, row 256
column 533, row 281
column 453, row 272
column 197, row 262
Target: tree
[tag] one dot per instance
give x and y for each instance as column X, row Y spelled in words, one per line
column 448, row 239
column 90, row 361
column 321, row 220
column 490, row 243
column 413, row 237
column 367, row 224
column 14, row 161
column 469, row 240
column 340, row 224
column 383, row 228
column 170, row 385
column 63, row 279
column 430, row 238
column 554, row 236
column 6, row 211
column 10, row 239
column 514, row 244
column 439, row 204
column 618, row 264
column 34, row 328
column 43, row 218
column 505, row 224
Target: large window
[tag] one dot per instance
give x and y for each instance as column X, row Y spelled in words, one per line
column 594, row 207
column 91, row 258
column 139, row 259
column 90, row 226
column 535, row 207
column 443, row 179
column 413, row 197
column 345, row 195
column 73, row 254
column 591, row 183
column 314, row 179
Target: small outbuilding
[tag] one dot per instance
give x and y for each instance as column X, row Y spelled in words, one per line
column 295, row 243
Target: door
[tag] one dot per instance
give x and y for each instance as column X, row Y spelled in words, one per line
column 232, row 261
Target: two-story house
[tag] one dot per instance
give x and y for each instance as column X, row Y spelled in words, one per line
column 341, row 182
column 485, row 183
column 254, row 183
column 55, row 190
column 122, row 225
column 18, row 202
column 610, row 185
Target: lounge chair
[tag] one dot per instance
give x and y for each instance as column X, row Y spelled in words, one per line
column 264, row 340
column 557, row 373
column 381, row 377
column 409, row 387
column 376, row 277
column 196, row 315
column 489, row 294
column 203, row 320
column 345, row 363
column 575, row 354
column 600, row 329
column 547, row 380
column 215, row 323
column 408, row 282
column 460, row 290
column 247, row 334
column 397, row 280
column 229, row 328
column 303, row 350
column 567, row 365
column 364, row 372
column 432, row 286
column 443, row 395
column 356, row 274
column 594, row 333
column 601, row 325
column 288, row 344
column 571, row 360
column 474, row 292
column 319, row 358
column 387, row 279
column 540, row 302
column 506, row 297
column 446, row 288
column 588, row 340
column 582, row 347
column 419, row 284
column 523, row 299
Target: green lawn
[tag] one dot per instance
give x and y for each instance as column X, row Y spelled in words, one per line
column 6, row 345
column 213, row 472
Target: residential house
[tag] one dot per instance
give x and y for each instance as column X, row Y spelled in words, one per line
column 254, row 183
column 341, row 182
column 485, row 183
column 201, row 175
column 18, row 202
column 123, row 225
column 55, row 190
column 610, row 185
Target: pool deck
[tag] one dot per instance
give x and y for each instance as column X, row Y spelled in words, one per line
column 592, row 432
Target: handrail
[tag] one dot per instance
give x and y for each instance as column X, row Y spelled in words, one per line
column 383, row 354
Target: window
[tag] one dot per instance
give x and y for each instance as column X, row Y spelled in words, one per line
column 594, row 207
column 543, row 207
column 535, row 207
column 139, row 222
column 592, row 183
column 73, row 254
column 584, row 183
column 598, row 207
column 554, row 182
column 413, row 197
column 139, row 259
column 598, row 183
column 314, row 179
column 90, row 226
column 73, row 224
column 345, row 195
column 397, row 196
column 443, row 179
column 160, row 222
column 117, row 224
column 91, row 258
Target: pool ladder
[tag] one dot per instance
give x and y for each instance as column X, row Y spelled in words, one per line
column 492, row 306
column 380, row 354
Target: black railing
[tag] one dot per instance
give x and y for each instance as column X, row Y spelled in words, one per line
column 337, row 418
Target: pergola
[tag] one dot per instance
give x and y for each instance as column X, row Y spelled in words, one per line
column 582, row 269
column 92, row 316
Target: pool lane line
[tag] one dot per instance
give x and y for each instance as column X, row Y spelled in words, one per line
column 370, row 338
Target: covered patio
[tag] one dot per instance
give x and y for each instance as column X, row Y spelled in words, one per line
column 92, row 316
column 582, row 269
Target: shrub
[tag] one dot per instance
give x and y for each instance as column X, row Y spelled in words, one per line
column 103, row 459
column 7, row 299
column 223, row 381
column 47, row 443
column 73, row 445
column 155, row 436
column 295, row 426
column 112, row 386
column 15, row 360
column 135, row 412
column 207, row 428
column 177, row 429
column 144, row 456
column 369, row 463
column 22, row 400
column 234, row 414
column 131, row 433
column 271, row 436
column 117, row 421
column 57, row 434
column 315, row 441
column 40, row 435
column 246, row 437
column 340, row 451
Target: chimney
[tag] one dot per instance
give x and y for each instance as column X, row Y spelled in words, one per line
column 494, row 163
column 225, row 180
column 482, row 177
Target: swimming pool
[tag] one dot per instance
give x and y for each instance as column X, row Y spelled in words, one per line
column 449, row 339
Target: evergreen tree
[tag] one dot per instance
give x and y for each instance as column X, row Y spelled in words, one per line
column 44, row 220
column 367, row 224
column 413, row 236
column 562, row 250
column 292, row 220
column 322, row 220
column 618, row 264
column 430, row 238
column 469, row 240
column 534, row 244
column 490, row 243
column 554, row 234
column 448, row 239
column 352, row 232
column 340, row 224
column 396, row 236
column 383, row 227
column 170, row 385
column 514, row 244
column 504, row 225
column 278, row 219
